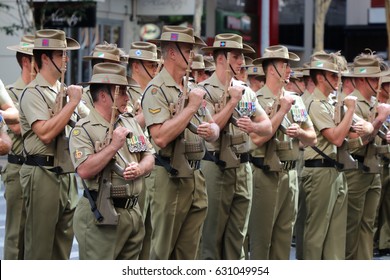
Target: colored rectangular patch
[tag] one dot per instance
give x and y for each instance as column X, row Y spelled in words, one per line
column 45, row 42
column 174, row 37
column 222, row 44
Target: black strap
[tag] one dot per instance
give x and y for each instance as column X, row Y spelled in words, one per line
column 336, row 164
column 94, row 209
column 164, row 163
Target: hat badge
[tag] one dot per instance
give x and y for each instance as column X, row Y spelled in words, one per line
column 45, row 42
column 320, row 64
column 255, row 69
column 174, row 37
column 138, row 53
column 101, row 54
column 222, row 44
column 362, row 70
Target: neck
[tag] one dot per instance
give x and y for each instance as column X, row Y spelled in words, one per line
column 26, row 76
column 103, row 110
column 274, row 85
column 140, row 80
column 176, row 73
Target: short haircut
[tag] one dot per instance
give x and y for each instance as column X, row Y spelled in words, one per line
column 38, row 56
column 96, row 88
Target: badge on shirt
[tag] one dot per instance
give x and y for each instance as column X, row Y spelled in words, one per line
column 154, row 91
column 246, row 108
column 299, row 114
column 76, row 132
column 137, row 143
column 78, row 154
column 154, row 111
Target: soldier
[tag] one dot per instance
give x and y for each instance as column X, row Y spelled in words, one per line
column 102, row 53
column 243, row 74
column 198, row 69
column 143, row 62
column 309, row 84
column 226, row 163
column 256, row 78
column 324, row 185
column 296, row 83
column 46, row 177
column 364, row 185
column 179, row 202
column 382, row 235
column 275, row 186
column 16, row 213
column 130, row 149
column 7, row 109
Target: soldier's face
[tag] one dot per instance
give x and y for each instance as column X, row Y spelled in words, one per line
column 185, row 50
column 279, row 65
column 383, row 95
column 122, row 99
column 333, row 80
column 236, row 60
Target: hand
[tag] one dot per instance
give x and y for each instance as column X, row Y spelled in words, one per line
column 235, row 93
column 118, row 137
column 350, row 102
column 383, row 111
column 195, row 98
column 132, row 171
column 74, row 92
column 285, row 103
column 208, row 131
column 245, row 124
column 294, row 130
column 363, row 128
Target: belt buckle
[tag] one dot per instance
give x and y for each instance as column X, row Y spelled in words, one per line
column 131, row 202
column 194, row 164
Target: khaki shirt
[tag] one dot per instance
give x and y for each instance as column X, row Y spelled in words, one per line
column 362, row 110
column 87, row 98
column 135, row 95
column 94, row 129
column 248, row 105
column 36, row 104
column 162, row 92
column 321, row 112
column 15, row 90
column 297, row 114
column 4, row 97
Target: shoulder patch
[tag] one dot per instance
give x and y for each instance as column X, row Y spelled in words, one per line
column 154, row 111
column 154, row 91
column 76, row 132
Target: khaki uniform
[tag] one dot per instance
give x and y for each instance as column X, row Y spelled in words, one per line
column 178, row 205
column 275, row 194
column 229, row 190
column 383, row 230
column 363, row 198
column 50, row 197
column 123, row 241
column 325, row 189
column 87, row 98
column 135, row 94
column 16, row 212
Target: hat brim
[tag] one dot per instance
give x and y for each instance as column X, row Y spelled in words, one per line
column 376, row 75
column 118, row 81
column 17, row 48
column 291, row 57
column 242, row 50
column 71, row 45
column 89, row 58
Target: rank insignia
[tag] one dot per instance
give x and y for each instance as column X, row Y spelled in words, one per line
column 154, row 111
column 78, row 154
column 76, row 132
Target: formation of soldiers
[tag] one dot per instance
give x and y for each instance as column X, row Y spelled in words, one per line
column 187, row 151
